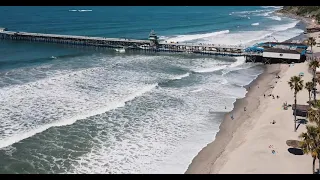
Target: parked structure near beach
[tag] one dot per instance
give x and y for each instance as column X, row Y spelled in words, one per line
column 267, row 53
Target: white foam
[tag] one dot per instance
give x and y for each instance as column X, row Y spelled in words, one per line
column 250, row 12
column 196, row 90
column 210, row 69
column 80, row 10
column 85, row 10
column 238, row 64
column 248, row 38
column 274, row 7
column 182, row 38
column 284, row 26
column 286, row 35
column 240, row 61
column 261, row 12
column 277, row 18
column 164, row 140
column 255, row 24
column 160, row 132
column 224, row 81
column 265, row 14
column 34, row 107
column 64, row 122
column 180, row 76
column 239, row 38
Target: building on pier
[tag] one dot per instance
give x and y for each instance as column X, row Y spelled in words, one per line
column 276, row 52
column 153, row 39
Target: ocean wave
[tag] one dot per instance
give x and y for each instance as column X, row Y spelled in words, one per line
column 277, row 18
column 274, row 7
column 247, row 38
column 180, row 76
column 196, row 90
column 211, row 69
column 261, row 12
column 287, row 34
column 80, row 10
column 284, row 26
column 255, row 24
column 240, row 60
column 237, row 65
column 249, row 12
column 264, row 34
column 49, row 115
column 183, row 38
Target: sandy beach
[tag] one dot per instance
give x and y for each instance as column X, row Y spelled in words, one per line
column 244, row 145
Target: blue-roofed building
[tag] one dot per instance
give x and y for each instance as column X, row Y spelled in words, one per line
column 279, row 52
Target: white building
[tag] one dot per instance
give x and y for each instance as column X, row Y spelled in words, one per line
column 275, row 53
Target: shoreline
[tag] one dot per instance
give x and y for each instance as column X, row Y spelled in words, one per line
column 205, row 162
column 228, row 127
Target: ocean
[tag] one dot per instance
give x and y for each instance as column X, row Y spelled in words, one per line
column 65, row 109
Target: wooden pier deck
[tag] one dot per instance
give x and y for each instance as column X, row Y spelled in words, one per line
column 131, row 44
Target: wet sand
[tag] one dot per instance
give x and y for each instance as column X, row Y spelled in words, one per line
column 245, row 144
column 203, row 162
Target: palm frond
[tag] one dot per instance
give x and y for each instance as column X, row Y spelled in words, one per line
column 314, row 64
column 296, row 83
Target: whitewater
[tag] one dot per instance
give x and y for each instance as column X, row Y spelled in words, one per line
column 82, row 110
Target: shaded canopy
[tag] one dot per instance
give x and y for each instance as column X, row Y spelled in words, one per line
column 293, row 143
column 301, row 107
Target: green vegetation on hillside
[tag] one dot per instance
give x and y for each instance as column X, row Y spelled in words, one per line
column 306, row 11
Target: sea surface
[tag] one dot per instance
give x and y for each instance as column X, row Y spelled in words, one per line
column 85, row 110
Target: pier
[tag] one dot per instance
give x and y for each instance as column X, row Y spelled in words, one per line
column 152, row 44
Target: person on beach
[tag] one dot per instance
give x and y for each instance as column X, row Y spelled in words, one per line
column 244, row 108
column 231, row 116
column 264, row 95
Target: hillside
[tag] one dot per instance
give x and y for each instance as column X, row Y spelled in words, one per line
column 305, row 11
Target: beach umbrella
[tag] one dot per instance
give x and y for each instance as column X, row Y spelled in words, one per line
column 293, row 143
column 301, row 74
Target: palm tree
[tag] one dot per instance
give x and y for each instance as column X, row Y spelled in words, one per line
column 314, row 65
column 309, row 87
column 312, row 42
column 314, row 116
column 310, row 143
column 296, row 84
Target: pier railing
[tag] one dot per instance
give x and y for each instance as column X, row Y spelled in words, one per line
column 134, row 44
